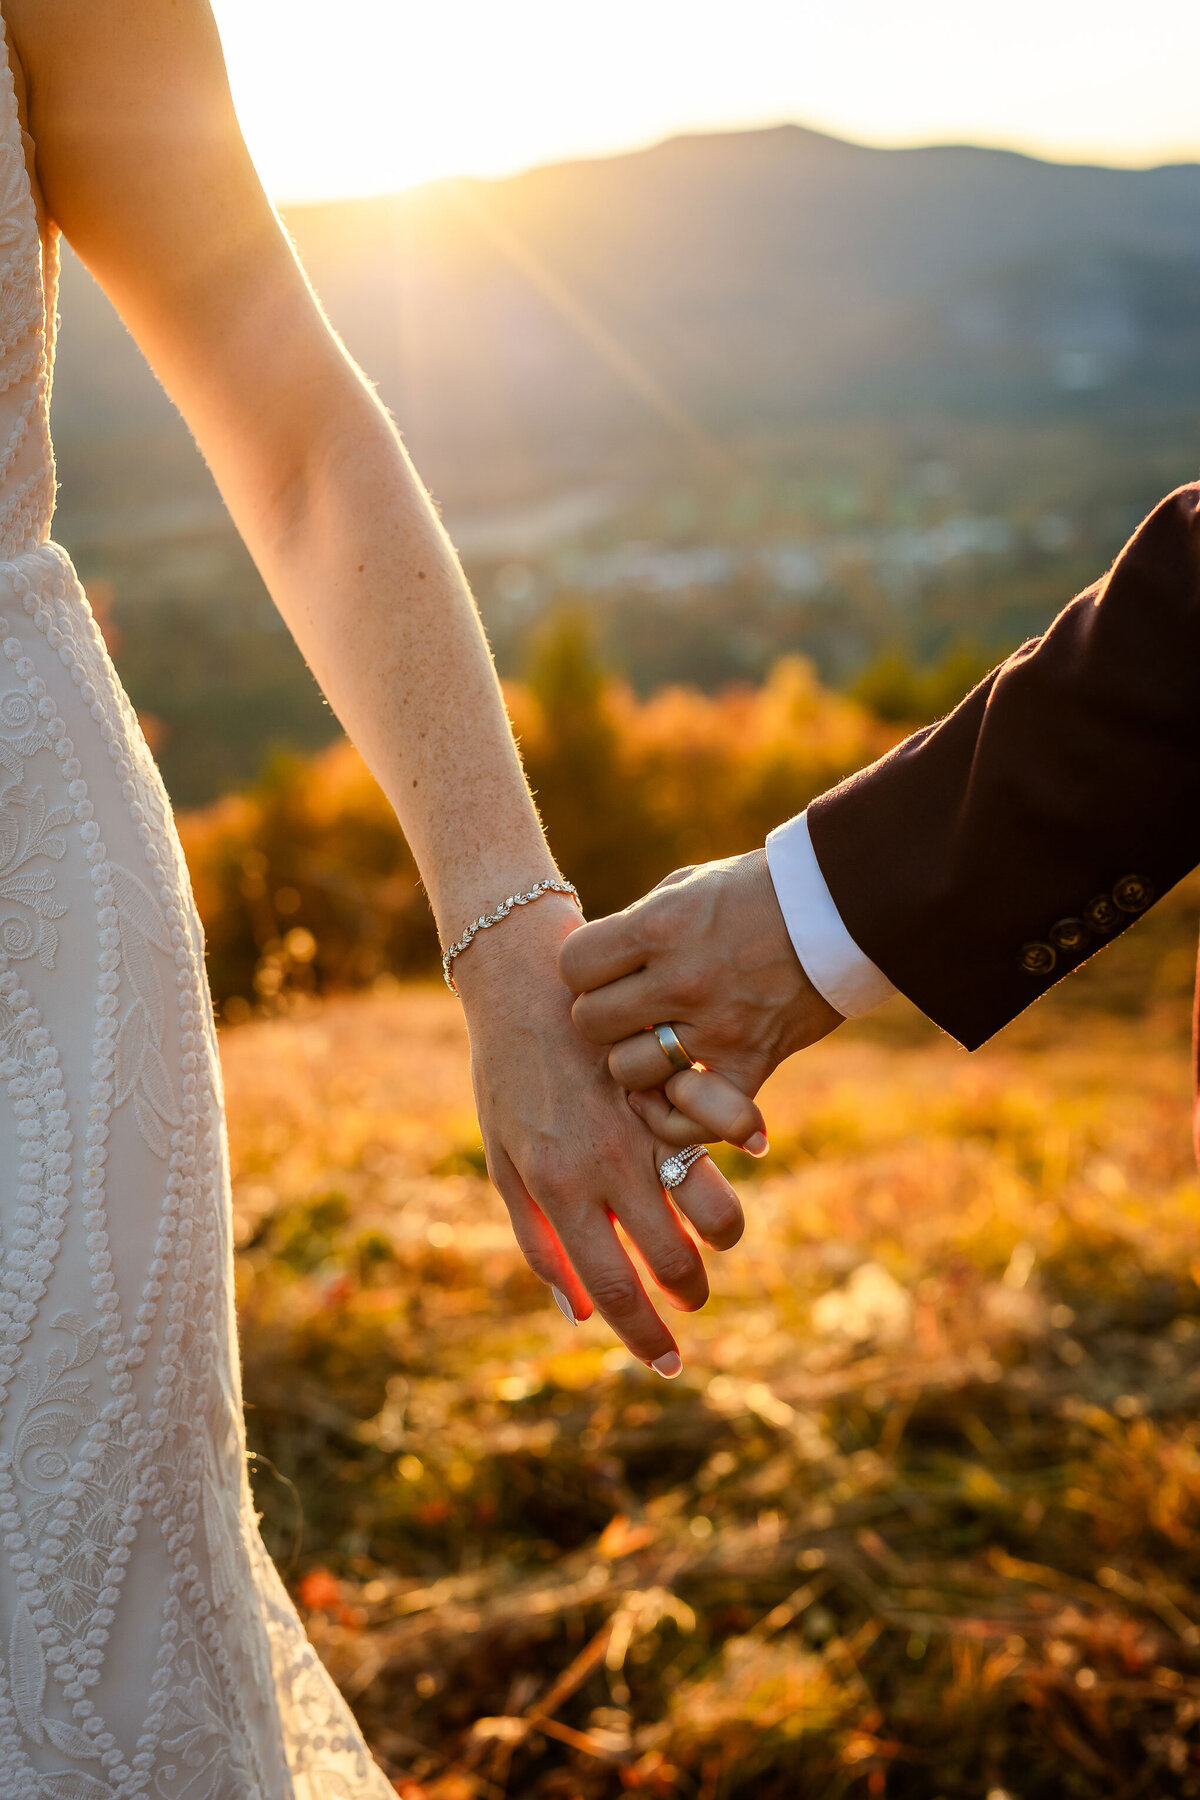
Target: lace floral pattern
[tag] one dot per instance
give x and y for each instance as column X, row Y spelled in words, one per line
column 147, row 1647
column 30, row 839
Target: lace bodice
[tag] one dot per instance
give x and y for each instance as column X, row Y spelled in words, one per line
column 147, row 1647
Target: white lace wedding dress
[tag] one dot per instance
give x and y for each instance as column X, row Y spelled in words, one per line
column 146, row 1644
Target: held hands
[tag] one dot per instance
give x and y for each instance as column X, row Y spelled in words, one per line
column 708, row 952
column 567, row 1154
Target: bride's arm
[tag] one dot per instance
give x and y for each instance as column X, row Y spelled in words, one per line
column 141, row 163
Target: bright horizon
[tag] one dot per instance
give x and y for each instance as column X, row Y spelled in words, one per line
column 394, row 95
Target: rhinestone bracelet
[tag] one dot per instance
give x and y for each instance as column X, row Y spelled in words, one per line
column 539, row 888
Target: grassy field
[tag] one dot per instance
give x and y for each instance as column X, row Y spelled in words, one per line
column 920, row 1517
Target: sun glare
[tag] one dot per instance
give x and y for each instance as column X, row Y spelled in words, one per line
column 379, row 94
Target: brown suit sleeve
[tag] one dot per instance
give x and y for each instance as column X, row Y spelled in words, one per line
column 988, row 856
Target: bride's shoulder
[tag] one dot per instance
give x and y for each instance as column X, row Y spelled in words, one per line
column 120, row 98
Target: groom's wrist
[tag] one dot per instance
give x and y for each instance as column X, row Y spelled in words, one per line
column 839, row 970
column 807, row 1014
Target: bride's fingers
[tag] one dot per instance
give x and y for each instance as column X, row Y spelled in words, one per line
column 720, row 1107
column 538, row 1241
column 705, row 1104
column 708, row 1203
column 666, row 1121
column 677, row 1128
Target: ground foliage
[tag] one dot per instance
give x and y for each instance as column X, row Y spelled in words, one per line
column 919, row 1519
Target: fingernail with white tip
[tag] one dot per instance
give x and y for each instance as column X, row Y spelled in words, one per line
column 564, row 1305
column 668, row 1365
column 757, row 1144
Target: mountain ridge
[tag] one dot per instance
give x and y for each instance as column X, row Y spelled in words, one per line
column 551, row 327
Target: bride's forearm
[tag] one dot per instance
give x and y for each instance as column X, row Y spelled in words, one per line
column 369, row 584
column 170, row 218
column 142, row 165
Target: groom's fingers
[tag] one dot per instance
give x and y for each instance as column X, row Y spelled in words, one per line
column 700, row 1106
column 640, row 1061
column 607, row 1014
column 605, row 949
column 708, row 1096
column 602, row 951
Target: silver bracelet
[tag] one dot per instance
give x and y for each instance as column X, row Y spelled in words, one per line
column 558, row 886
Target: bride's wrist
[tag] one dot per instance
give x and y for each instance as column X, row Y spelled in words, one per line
column 519, row 949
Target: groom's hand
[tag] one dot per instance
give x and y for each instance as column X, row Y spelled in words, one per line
column 709, row 953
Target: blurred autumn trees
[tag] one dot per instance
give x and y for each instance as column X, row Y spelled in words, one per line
column 305, row 883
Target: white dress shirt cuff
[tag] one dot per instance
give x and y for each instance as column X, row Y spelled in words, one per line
column 831, row 959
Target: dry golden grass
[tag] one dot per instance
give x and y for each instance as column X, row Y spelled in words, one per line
column 920, row 1518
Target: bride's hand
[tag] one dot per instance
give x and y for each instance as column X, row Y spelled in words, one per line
column 566, row 1152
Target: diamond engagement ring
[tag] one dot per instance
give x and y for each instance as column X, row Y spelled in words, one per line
column 674, row 1171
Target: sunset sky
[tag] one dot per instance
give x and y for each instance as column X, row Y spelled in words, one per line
column 379, row 94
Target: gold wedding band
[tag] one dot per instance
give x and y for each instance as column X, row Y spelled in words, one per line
column 671, row 1047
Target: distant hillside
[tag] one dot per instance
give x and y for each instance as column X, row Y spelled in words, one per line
column 555, row 327
column 735, row 396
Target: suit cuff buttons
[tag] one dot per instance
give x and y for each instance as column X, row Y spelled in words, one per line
column 1102, row 916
